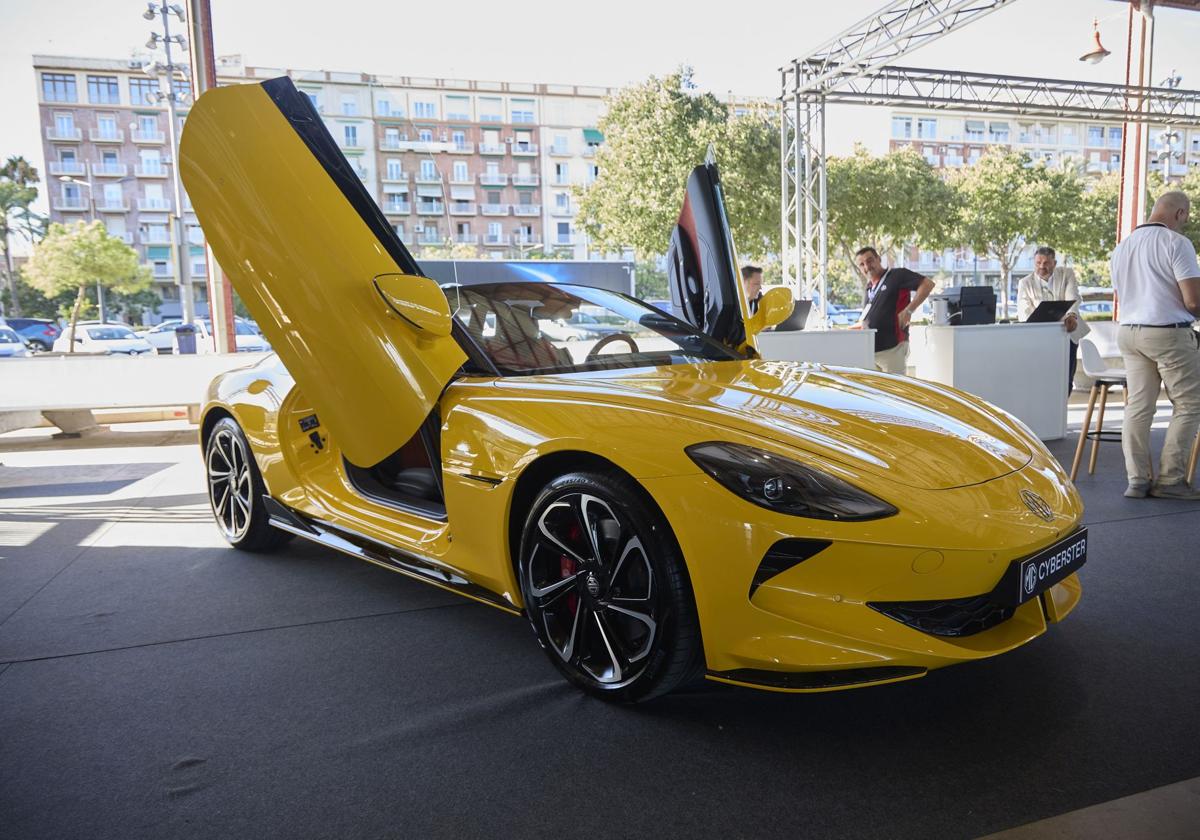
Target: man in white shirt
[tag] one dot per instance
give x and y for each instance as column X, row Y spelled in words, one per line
column 1051, row 281
column 1157, row 280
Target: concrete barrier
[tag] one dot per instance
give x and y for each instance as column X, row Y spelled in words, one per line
column 71, row 382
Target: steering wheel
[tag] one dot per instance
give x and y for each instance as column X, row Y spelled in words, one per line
column 609, row 339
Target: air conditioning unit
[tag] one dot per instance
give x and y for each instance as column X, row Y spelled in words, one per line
column 443, row 137
column 508, row 140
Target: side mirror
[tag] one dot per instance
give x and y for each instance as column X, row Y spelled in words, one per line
column 773, row 307
column 418, row 301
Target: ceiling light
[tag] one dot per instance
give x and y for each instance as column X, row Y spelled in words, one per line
column 1097, row 53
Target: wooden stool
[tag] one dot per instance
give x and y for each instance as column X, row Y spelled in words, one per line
column 1103, row 379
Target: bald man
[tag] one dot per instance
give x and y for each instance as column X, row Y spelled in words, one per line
column 1157, row 280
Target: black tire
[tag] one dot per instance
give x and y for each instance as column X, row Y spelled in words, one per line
column 615, row 614
column 235, row 490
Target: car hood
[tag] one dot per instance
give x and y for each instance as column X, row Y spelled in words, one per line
column 902, row 430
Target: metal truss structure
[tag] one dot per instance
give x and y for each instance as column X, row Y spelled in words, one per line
column 854, row 68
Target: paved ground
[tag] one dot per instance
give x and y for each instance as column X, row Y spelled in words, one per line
column 154, row 683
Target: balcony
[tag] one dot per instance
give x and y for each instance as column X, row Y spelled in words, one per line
column 953, row 161
column 66, row 167
column 154, row 238
column 151, row 170
column 105, row 170
column 429, row 177
column 140, row 136
column 425, row 238
column 125, row 237
column 392, row 176
column 590, row 151
column 461, row 148
column 561, row 181
column 524, row 149
column 558, row 151
column 63, row 134
column 469, row 180
column 113, row 206
column 564, row 239
column 493, row 179
column 397, row 208
column 527, row 209
column 525, row 180
column 562, row 210
column 432, row 208
column 494, row 209
column 492, row 148
column 494, row 239
column 467, row 238
column 390, row 143
column 70, row 205
column 526, row 239
column 144, row 204
column 101, row 135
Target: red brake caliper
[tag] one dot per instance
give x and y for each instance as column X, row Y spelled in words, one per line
column 568, row 567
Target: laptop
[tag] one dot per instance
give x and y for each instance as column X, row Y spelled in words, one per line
column 797, row 319
column 1049, row 311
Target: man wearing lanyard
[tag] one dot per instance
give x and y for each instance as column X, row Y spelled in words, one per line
column 1050, row 281
column 1157, row 281
column 890, row 299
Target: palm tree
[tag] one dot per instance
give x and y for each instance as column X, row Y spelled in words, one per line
column 18, row 178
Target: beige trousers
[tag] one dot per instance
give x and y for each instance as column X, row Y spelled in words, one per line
column 894, row 360
column 1155, row 356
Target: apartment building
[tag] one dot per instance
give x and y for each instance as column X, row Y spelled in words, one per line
column 105, row 140
column 950, row 139
column 450, row 161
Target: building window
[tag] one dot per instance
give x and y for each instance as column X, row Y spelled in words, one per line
column 425, row 110
column 103, row 90
column 522, row 110
column 562, row 201
column 312, row 97
column 383, row 108
column 1114, row 137
column 974, row 129
column 395, row 171
column 493, row 197
column 350, row 135
column 459, row 139
column 458, row 108
column 1095, row 135
column 460, row 171
column 428, row 170
column 349, row 106
column 998, row 132
column 142, row 91
column 64, row 125
column 926, row 128
column 59, row 87
column 490, row 109
column 182, row 88
column 902, row 128
column 425, row 135
column 561, row 175
column 162, row 268
column 564, row 233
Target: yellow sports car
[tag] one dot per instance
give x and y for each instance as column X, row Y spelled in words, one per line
column 660, row 503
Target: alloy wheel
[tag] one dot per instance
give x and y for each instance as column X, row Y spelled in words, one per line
column 230, row 488
column 591, row 589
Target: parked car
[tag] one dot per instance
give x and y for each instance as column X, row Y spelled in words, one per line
column 95, row 337
column 247, row 338
column 39, row 333
column 1096, row 309
column 593, row 326
column 12, row 345
column 845, row 317
column 557, row 329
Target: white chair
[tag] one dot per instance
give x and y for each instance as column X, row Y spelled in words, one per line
column 1103, row 378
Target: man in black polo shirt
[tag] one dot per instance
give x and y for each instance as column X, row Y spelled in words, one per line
column 890, row 299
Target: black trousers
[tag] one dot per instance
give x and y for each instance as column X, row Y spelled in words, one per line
column 1071, row 362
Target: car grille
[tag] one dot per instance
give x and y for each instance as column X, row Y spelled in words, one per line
column 950, row 617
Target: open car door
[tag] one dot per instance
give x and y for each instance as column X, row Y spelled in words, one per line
column 369, row 341
column 701, row 265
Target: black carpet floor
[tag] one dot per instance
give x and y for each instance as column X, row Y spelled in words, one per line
column 151, row 693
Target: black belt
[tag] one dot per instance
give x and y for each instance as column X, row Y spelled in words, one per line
column 1180, row 326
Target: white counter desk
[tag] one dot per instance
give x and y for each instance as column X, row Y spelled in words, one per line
column 849, row 348
column 1021, row 368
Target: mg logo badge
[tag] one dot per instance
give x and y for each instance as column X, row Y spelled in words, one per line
column 1037, row 504
column 1031, row 577
column 593, row 585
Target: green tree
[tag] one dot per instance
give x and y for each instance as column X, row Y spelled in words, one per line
column 649, row 282
column 887, row 201
column 1005, row 201
column 80, row 256
column 655, row 133
column 1189, row 184
column 18, row 190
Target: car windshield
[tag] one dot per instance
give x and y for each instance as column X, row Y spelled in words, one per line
column 109, row 333
column 523, row 328
column 7, row 336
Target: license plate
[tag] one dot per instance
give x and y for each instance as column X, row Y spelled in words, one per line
column 1032, row 576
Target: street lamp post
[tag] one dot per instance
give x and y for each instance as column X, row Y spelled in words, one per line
column 179, row 243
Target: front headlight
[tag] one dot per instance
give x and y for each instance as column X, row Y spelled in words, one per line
column 780, row 484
